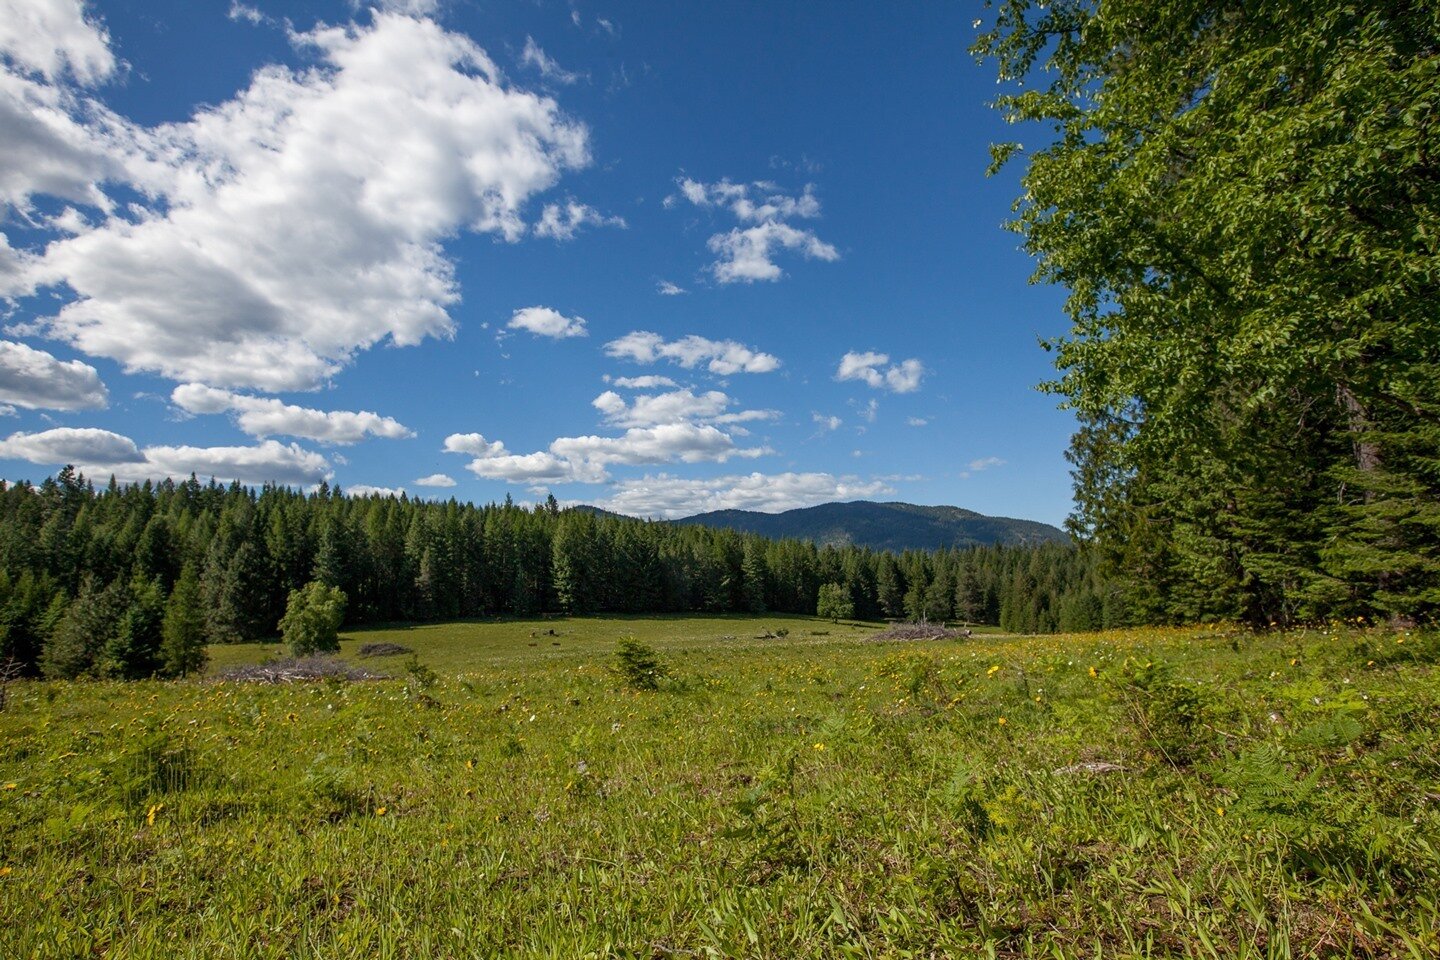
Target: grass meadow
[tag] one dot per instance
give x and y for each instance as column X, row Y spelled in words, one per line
column 1197, row 792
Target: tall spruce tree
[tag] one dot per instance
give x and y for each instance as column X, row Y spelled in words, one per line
column 182, row 632
column 132, row 651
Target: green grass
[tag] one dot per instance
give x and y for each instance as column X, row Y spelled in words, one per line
column 481, row 645
column 807, row 796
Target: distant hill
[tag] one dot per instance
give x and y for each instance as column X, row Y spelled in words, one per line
column 884, row 526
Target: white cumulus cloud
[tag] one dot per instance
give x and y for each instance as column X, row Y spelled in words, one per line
column 665, row 443
column 64, row 445
column 902, row 377
column 650, row 409
column 266, row 417
column 545, row 322
column 723, row 357
column 647, row 382
column 563, row 221
column 54, row 38
column 473, row 444
column 585, row 459
column 295, row 224
column 747, row 253
column 669, row 497
column 102, row 453
column 436, row 480
column 366, row 490
column 36, row 380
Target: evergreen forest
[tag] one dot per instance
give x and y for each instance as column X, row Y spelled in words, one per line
column 90, row 578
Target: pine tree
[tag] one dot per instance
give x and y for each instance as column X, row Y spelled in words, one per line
column 23, row 618
column 237, row 597
column 890, row 586
column 969, row 596
column 182, row 643
column 753, row 571
column 132, row 652
column 88, row 625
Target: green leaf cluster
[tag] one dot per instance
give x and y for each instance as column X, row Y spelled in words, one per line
column 1243, row 202
column 312, row 619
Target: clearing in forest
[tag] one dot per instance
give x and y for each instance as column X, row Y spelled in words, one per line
column 805, row 794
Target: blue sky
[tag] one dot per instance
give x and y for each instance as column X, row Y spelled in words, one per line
column 664, row 258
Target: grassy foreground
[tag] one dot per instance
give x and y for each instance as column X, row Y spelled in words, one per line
column 806, row 795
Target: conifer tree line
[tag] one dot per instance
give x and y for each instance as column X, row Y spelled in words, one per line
column 131, row 581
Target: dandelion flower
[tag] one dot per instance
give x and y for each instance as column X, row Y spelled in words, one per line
column 380, row 811
column 1002, row 721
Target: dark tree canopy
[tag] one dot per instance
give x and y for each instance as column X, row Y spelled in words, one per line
column 133, row 580
column 1243, row 201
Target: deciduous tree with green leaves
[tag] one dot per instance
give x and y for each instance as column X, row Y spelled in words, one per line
column 312, row 619
column 1243, row 201
column 835, row 602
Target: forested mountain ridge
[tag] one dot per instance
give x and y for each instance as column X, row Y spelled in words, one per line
column 884, row 526
column 89, row 576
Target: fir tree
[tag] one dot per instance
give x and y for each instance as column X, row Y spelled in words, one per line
column 132, row 652
column 182, row 632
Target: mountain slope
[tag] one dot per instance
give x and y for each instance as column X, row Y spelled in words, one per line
column 884, row 526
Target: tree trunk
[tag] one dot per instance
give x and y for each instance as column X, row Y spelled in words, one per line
column 1367, row 452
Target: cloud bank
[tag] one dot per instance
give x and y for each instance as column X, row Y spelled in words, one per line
column 277, row 236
